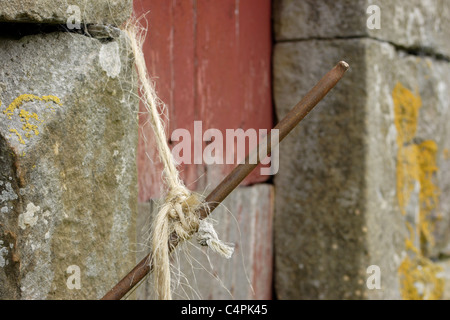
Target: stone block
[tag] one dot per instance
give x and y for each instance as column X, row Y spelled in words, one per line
column 108, row 12
column 361, row 179
column 445, row 265
column 68, row 181
column 309, row 19
column 419, row 25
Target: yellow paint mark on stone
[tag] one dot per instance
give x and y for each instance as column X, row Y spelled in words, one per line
column 416, row 165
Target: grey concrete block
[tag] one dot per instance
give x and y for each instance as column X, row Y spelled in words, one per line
column 113, row 12
column 307, row 19
column 342, row 170
column 421, row 25
column 319, row 220
column 68, row 185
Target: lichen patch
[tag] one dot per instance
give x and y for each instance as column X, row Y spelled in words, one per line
column 416, row 169
column 28, row 218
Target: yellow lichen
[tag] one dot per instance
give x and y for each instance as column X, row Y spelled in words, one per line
column 25, row 116
column 420, row 279
column 416, row 165
column 28, row 98
column 28, row 127
column 429, row 191
column 409, row 242
column 406, row 110
column 19, row 136
column 407, row 173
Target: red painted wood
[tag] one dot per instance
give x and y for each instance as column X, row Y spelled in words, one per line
column 233, row 76
column 183, row 80
column 156, row 50
column 211, row 62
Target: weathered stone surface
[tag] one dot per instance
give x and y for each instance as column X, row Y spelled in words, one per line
column 319, row 216
column 445, row 265
column 113, row 12
column 68, row 185
column 245, row 218
column 306, row 19
column 407, row 173
column 356, row 176
column 414, row 24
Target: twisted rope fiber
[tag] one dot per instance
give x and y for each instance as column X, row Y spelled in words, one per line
column 178, row 214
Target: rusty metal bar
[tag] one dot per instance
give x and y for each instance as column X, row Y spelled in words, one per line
column 292, row 119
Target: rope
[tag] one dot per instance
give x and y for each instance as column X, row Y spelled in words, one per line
column 178, row 214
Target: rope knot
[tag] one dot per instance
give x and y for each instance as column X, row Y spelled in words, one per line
column 182, row 213
column 178, row 218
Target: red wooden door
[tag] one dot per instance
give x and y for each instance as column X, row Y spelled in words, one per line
column 211, row 61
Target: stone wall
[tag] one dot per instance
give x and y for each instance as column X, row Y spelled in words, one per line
column 68, row 138
column 364, row 180
column 362, row 186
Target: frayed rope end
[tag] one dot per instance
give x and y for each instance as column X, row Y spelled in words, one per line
column 207, row 236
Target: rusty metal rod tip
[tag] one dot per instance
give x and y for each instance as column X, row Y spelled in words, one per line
column 344, row 65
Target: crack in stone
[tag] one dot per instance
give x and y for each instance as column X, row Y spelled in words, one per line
column 423, row 52
column 103, row 33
